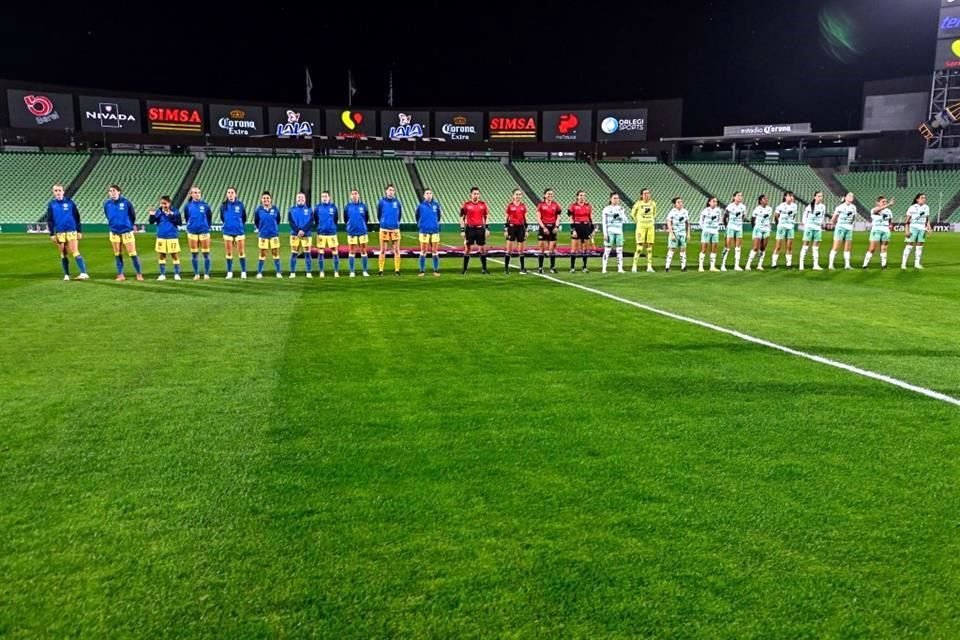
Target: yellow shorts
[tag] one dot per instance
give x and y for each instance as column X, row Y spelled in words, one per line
column 168, row 246
column 125, row 238
column 198, row 237
column 645, row 235
column 429, row 238
column 389, row 234
column 328, row 242
column 66, row 236
column 297, row 243
column 355, row 240
column 268, row 243
column 239, row 238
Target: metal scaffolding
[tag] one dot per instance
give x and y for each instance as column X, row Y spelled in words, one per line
column 944, row 94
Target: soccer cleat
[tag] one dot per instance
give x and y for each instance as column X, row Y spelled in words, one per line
column 864, row 267
column 380, row 273
column 634, row 270
column 259, row 276
column 139, row 277
column 243, row 275
column 540, row 271
column 83, row 276
column 749, row 268
column 759, row 267
column 649, row 270
column 523, row 272
column 292, row 276
column 366, row 274
column 196, row 277
column 396, row 273
column 714, row 270
column 848, row 268
column 436, row 274
column 918, row 267
column 309, row 275
column 883, row 268
column 723, row 268
column 230, row 275
column 774, row 267
column 206, row 276
column 336, row 274
column 66, row 278
column 160, row 278
column 573, row 270
column 323, row 274
column 353, row 275
column 120, row 277
column 817, row 267
column 701, row 270
column 802, row 268
column 667, row 269
column 554, row 271
column 280, row 275
column 832, row 268
column 584, row 270
column 622, row 271
column 738, row 268
column 464, row 272
column 421, row 274
column 484, row 272
column 683, row 269
column 603, row 270
column 176, row 276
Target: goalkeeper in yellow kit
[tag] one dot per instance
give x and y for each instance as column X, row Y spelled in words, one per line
column 644, row 213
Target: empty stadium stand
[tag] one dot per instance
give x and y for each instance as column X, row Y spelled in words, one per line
column 370, row 175
column 565, row 178
column 250, row 175
column 26, row 179
column 663, row 182
column 451, row 181
column 143, row 179
column 722, row 180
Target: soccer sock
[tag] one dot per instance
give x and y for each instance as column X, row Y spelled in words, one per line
column 365, row 262
column 773, row 259
column 80, row 263
column 833, row 257
column 583, row 259
column 867, row 258
column 803, row 257
column 906, row 255
column 683, row 260
column 423, row 262
column 606, row 257
column 553, row 261
column 620, row 258
column 883, row 258
column 243, row 264
column 636, row 255
column 713, row 261
column 163, row 268
column 506, row 262
column 846, row 258
column 649, row 255
column 382, row 259
column 573, row 260
column 293, row 263
column 523, row 263
column 309, row 259
column 753, row 254
column 135, row 259
column 176, row 267
column 483, row 261
column 466, row 261
column 352, row 263
column 789, row 257
column 396, row 261
column 540, row 260
column 119, row 260
column 229, row 265
column 336, row 262
column 206, row 262
column 65, row 264
column 916, row 256
column 760, row 258
column 260, row 265
column 195, row 261
column 669, row 258
column 320, row 261
column 276, row 264
column 436, row 263
column 723, row 259
column 702, row 256
column 736, row 256
column 816, row 256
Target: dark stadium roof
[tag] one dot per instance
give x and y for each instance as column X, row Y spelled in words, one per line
column 853, row 134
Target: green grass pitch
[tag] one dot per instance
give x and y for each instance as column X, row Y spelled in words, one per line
column 477, row 457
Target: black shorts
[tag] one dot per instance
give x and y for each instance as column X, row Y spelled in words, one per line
column 582, row 230
column 475, row 236
column 550, row 235
column 516, row 233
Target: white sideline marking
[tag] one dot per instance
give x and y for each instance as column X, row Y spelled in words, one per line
column 930, row 393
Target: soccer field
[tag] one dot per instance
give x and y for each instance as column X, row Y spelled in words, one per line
column 478, row 456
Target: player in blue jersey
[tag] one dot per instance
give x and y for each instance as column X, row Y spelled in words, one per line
column 198, row 216
column 300, row 217
column 233, row 216
column 326, row 215
column 63, row 224
column 356, row 215
column 121, row 219
column 428, row 227
column 168, row 223
column 389, row 214
column 267, row 221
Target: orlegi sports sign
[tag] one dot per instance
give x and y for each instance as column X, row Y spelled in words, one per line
column 627, row 125
column 459, row 125
column 766, row 130
column 513, row 125
column 110, row 115
column 235, row 120
column 174, row 117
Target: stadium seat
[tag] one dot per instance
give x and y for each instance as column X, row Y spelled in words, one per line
column 143, row 179
column 663, row 182
column 868, row 185
column 451, row 181
column 940, row 186
column 565, row 178
column 251, row 175
column 722, row 179
column 370, row 175
column 26, row 179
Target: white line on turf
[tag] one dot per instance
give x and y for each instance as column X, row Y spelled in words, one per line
column 896, row 382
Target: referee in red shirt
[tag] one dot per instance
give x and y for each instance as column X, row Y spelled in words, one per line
column 474, row 229
column 548, row 217
column 582, row 214
column 516, row 230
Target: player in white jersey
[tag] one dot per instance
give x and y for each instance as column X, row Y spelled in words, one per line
column 762, row 217
column 843, row 217
column 813, row 217
column 916, row 229
column 733, row 223
column 710, row 219
column 612, row 219
column 786, row 217
column 880, row 216
column 678, row 230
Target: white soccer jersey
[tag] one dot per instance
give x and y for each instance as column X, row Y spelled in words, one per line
column 613, row 218
column 763, row 216
column 919, row 216
column 788, row 215
column 710, row 219
column 846, row 214
column 679, row 218
column 814, row 219
column 881, row 220
column 735, row 213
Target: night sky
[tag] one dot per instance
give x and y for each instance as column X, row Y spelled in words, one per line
column 733, row 62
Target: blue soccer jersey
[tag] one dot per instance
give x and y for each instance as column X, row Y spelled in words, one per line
column 357, row 216
column 428, row 217
column 233, row 215
column 267, row 222
column 326, row 217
